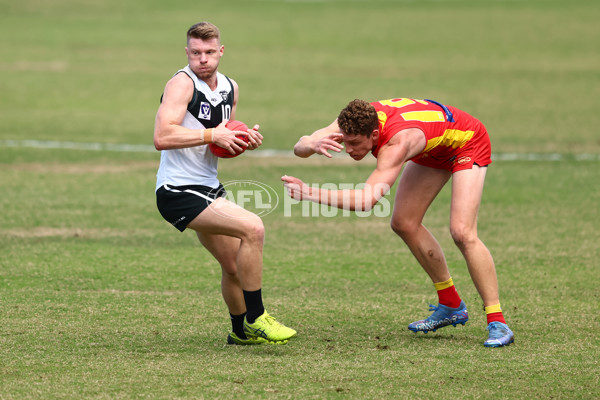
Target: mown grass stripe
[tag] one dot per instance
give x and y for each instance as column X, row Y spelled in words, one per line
column 266, row 153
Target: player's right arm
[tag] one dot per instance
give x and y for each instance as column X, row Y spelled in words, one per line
column 168, row 131
column 320, row 142
column 403, row 145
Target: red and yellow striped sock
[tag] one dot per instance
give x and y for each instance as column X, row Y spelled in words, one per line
column 494, row 313
column 447, row 293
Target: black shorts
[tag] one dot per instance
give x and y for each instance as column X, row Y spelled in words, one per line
column 179, row 205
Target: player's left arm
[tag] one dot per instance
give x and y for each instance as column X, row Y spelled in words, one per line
column 391, row 158
column 254, row 137
column 320, row 142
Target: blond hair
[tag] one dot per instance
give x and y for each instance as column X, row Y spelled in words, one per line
column 204, row 30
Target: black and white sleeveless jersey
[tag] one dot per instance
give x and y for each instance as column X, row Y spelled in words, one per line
column 208, row 108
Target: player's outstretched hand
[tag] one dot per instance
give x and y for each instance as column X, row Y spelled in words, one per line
column 296, row 189
column 226, row 138
column 331, row 142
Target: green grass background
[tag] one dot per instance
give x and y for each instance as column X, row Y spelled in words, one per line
column 100, row 298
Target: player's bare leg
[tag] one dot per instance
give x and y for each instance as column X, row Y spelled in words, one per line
column 467, row 189
column 225, row 218
column 225, row 250
column 417, row 189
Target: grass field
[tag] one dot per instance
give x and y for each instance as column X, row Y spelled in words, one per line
column 102, row 299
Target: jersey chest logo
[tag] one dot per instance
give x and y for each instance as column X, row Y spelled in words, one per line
column 204, row 110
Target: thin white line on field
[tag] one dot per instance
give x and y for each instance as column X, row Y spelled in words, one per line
column 54, row 144
column 265, row 153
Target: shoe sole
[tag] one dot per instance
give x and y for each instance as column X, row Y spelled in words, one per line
column 415, row 330
column 254, row 335
column 283, row 342
column 271, row 341
column 232, row 341
column 511, row 341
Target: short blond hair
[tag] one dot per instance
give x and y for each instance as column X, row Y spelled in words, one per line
column 204, row 30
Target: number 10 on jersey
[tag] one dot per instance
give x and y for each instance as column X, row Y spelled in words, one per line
column 226, row 111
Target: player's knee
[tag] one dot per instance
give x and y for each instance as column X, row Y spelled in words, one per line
column 403, row 227
column 229, row 269
column 463, row 235
column 254, row 229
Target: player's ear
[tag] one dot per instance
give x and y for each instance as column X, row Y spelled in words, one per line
column 375, row 134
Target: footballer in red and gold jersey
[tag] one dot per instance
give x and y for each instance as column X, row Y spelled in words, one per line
column 422, row 144
column 455, row 139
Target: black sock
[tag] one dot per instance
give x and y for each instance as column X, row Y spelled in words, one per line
column 254, row 305
column 237, row 325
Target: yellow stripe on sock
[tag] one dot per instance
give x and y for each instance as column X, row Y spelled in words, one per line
column 493, row 309
column 443, row 285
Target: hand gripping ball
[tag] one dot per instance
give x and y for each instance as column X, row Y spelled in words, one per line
column 232, row 125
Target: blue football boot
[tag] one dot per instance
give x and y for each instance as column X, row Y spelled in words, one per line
column 500, row 335
column 442, row 316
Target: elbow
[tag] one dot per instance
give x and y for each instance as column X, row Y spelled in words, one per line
column 158, row 145
column 301, row 149
column 367, row 204
column 299, row 153
column 159, row 142
column 370, row 197
column 359, row 206
column 162, row 137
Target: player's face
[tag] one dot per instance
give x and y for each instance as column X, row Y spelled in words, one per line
column 358, row 146
column 204, row 56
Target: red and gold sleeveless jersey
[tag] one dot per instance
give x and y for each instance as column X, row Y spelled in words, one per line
column 452, row 135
